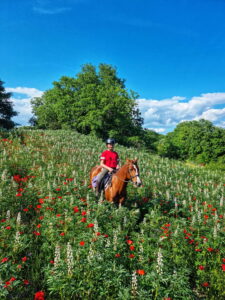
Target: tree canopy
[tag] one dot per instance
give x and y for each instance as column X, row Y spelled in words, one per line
column 198, row 141
column 94, row 102
column 6, row 109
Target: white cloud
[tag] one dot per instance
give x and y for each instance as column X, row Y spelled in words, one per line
column 29, row 92
column 167, row 113
column 22, row 104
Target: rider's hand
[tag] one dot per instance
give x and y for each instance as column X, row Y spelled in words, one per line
column 110, row 170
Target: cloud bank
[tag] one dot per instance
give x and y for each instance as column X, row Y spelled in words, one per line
column 163, row 115
column 21, row 97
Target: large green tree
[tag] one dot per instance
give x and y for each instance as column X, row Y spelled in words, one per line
column 95, row 101
column 199, row 141
column 6, row 109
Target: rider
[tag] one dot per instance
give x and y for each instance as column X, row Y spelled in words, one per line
column 109, row 161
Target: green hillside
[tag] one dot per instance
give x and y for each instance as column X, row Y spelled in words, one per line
column 166, row 242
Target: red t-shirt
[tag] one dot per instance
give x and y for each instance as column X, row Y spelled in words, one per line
column 110, row 158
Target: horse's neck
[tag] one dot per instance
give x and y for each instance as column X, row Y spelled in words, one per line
column 122, row 173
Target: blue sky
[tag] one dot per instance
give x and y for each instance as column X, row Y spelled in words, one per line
column 172, row 53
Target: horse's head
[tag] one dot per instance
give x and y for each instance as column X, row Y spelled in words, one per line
column 134, row 172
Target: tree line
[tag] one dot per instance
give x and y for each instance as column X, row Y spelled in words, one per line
column 96, row 101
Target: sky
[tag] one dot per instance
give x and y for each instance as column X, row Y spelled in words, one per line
column 172, row 53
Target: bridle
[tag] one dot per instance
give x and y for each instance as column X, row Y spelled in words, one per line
column 131, row 176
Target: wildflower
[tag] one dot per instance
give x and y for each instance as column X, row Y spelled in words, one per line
column 205, row 284
column 69, row 259
column 223, row 267
column 140, row 272
column 83, row 220
column 132, row 248
column 82, row 243
column 134, row 284
column 58, row 215
column 39, row 295
column 159, row 262
column 131, row 256
column 12, row 279
column 76, row 209
column 90, row 225
column 24, row 259
column 4, row 259
column 62, row 233
column 52, row 262
column 57, row 256
column 83, row 213
column 210, row 249
column 117, row 255
column 26, row 209
column 8, row 227
column 201, row 267
column 26, row 281
column 129, row 242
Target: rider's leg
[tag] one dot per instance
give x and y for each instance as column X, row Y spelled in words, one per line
column 100, row 176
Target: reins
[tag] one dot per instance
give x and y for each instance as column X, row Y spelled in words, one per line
column 126, row 180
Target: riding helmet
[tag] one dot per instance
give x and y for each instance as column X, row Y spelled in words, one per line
column 110, row 141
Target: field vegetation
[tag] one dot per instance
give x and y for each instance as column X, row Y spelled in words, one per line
column 57, row 241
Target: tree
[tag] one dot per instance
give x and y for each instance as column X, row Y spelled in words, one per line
column 6, row 109
column 199, row 141
column 95, row 102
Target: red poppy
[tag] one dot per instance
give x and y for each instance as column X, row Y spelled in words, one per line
column 25, row 209
column 117, row 255
column 26, row 281
column 4, row 259
column 83, row 213
column 76, row 209
column 83, row 220
column 24, row 259
column 132, row 248
column 201, row 267
column 8, row 227
column 82, row 243
column 223, row 267
column 205, row 284
column 90, row 225
column 39, row 295
column 52, row 262
column 140, row 272
column 129, row 242
column 62, row 233
column 210, row 249
column 131, row 256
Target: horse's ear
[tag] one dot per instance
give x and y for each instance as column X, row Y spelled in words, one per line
column 128, row 160
column 135, row 160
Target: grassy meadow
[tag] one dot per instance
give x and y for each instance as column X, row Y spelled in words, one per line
column 57, row 241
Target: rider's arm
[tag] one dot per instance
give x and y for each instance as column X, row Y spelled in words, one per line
column 104, row 166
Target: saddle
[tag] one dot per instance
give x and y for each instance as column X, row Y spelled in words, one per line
column 105, row 182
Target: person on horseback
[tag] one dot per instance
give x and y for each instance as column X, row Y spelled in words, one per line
column 109, row 161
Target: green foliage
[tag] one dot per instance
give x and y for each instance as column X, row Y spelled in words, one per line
column 93, row 102
column 198, row 141
column 6, row 109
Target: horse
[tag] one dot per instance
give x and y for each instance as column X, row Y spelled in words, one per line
column 116, row 191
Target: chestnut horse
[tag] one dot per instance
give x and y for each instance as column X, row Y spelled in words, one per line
column 116, row 191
